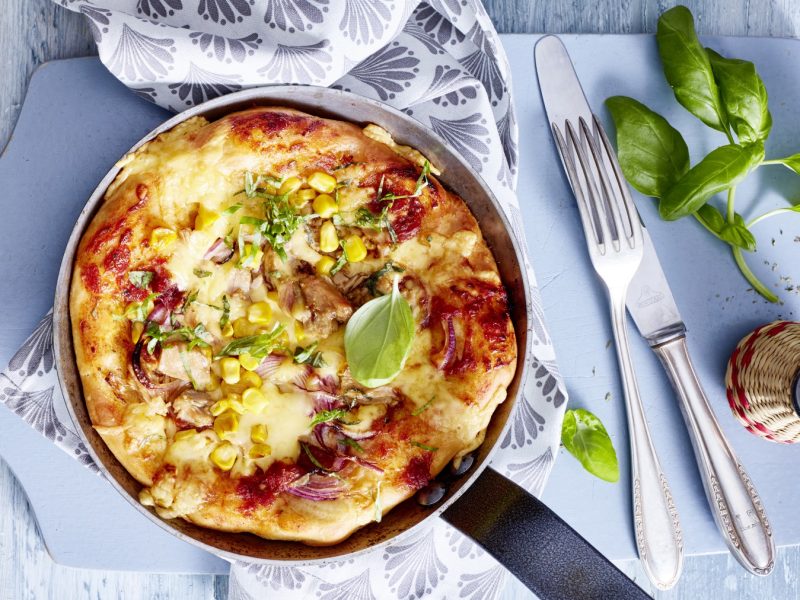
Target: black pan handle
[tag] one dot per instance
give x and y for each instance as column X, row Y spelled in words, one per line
column 535, row 544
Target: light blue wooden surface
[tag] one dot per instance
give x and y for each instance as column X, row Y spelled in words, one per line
column 32, row 30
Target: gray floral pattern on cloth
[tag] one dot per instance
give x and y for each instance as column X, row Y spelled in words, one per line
column 441, row 62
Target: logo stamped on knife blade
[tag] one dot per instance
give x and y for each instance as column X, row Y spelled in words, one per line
column 648, row 297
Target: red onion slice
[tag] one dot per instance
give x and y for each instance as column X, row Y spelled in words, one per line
column 449, row 343
column 219, row 252
column 317, row 487
column 269, row 365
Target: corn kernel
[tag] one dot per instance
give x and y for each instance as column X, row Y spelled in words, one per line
column 251, row 379
column 325, row 206
column 185, row 434
column 290, row 186
column 224, row 455
column 301, row 197
column 258, row 433
column 248, row 362
column 322, row 182
column 205, row 218
column 213, row 383
column 227, row 330
column 259, row 313
column 226, row 424
column 354, row 248
column 235, row 403
column 324, row 265
column 251, row 257
column 219, row 407
column 254, row 400
column 136, row 331
column 259, row 451
column 230, row 368
column 328, row 238
column 162, row 238
column 299, row 331
column 241, row 327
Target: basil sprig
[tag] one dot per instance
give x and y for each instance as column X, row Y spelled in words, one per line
column 726, row 94
column 584, row 436
column 378, row 339
column 257, row 346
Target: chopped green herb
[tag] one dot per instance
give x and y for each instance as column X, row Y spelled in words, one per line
column 340, row 262
column 138, row 311
column 201, row 273
column 226, row 312
column 353, row 444
column 324, row 416
column 372, row 281
column 232, row 209
column 424, row 447
column 257, row 346
column 313, row 458
column 191, row 297
column 140, row 279
column 195, row 336
column 309, row 356
column 423, row 408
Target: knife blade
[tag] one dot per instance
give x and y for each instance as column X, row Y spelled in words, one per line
column 733, row 500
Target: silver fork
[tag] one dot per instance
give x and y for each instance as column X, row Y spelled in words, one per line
column 614, row 238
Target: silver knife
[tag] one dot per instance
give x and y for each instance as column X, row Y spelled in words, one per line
column 734, row 502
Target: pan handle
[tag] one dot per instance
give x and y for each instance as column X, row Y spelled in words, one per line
column 535, row 544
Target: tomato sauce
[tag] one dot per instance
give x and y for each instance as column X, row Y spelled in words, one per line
column 262, row 488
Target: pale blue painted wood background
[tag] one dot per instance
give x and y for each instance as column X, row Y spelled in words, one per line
column 33, row 31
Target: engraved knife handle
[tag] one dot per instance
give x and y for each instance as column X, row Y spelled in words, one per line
column 734, row 502
column 658, row 532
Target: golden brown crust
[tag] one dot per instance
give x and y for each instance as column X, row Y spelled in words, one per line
column 437, row 408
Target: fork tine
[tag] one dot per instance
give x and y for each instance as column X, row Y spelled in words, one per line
column 574, row 181
column 611, row 199
column 622, row 186
column 593, row 197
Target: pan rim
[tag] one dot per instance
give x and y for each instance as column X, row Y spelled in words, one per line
column 266, row 96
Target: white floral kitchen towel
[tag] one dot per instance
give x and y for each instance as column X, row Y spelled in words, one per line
column 442, row 63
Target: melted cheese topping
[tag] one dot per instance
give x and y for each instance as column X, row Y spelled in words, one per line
column 192, row 448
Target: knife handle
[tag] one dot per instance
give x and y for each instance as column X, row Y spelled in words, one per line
column 733, row 499
column 655, row 519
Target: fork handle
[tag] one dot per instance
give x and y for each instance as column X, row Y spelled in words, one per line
column 655, row 519
column 734, row 502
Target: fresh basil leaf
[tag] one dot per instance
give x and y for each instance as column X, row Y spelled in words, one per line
column 721, row 169
column 140, row 279
column 687, row 68
column 792, row 162
column 258, row 346
column 378, row 339
column 584, row 436
column 743, row 96
column 201, row 273
column 711, row 218
column 738, row 235
column 651, row 152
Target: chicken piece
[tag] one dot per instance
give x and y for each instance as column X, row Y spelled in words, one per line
column 192, row 407
column 240, row 280
column 326, row 305
column 189, row 365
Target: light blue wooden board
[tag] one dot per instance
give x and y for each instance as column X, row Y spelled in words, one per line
column 91, row 119
column 709, row 291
